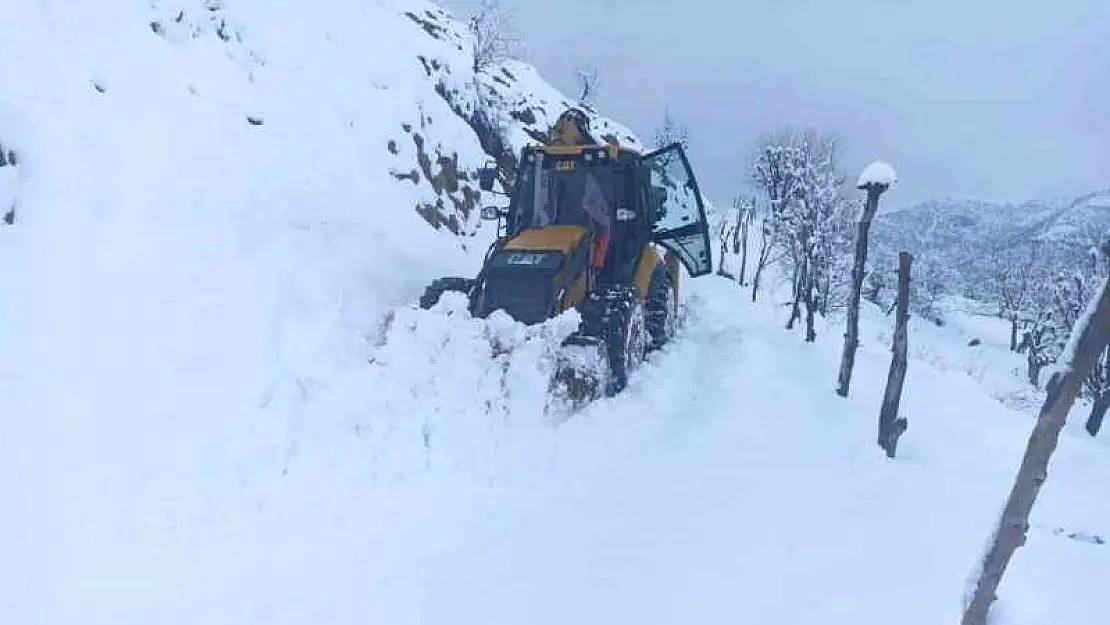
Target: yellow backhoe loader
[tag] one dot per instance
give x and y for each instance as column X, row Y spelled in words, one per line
column 583, row 229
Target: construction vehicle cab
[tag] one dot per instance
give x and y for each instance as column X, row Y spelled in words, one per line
column 580, row 231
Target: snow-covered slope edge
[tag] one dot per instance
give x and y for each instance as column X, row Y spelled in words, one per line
column 213, row 222
column 346, row 66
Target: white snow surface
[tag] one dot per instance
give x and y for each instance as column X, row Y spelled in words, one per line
column 877, row 173
column 218, row 405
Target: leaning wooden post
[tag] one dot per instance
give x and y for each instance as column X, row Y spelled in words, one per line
column 8, row 162
column 1088, row 338
column 875, row 179
column 891, row 427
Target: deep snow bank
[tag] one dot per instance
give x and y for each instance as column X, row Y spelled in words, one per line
column 219, row 202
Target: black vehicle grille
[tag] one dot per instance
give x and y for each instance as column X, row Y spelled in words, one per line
column 525, row 291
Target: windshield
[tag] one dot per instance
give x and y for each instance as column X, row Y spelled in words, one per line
column 579, row 196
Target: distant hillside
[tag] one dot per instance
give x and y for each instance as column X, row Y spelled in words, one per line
column 963, row 236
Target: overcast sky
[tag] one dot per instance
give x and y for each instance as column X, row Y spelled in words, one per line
column 993, row 99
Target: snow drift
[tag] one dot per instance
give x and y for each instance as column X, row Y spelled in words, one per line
column 219, row 203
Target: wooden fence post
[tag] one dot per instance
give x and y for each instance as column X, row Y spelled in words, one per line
column 1088, row 338
column 891, row 426
column 851, row 333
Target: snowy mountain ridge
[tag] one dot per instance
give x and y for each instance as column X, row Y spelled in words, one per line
column 962, row 236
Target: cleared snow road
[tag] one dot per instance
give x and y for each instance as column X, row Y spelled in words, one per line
column 729, row 484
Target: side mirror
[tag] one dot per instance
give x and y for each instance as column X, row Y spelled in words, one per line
column 486, row 176
column 491, row 212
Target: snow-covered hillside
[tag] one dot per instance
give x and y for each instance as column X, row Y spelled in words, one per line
column 218, row 405
column 390, row 82
column 963, row 236
column 217, row 203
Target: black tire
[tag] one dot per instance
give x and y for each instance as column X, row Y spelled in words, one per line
column 660, row 318
column 442, row 285
column 616, row 315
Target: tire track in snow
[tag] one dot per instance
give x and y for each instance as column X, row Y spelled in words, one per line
column 726, row 484
column 644, row 512
column 687, row 385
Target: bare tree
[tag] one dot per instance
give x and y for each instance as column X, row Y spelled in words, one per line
column 874, row 189
column 733, row 234
column 825, row 213
column 875, row 282
column 1060, row 305
column 927, row 289
column 1088, row 339
column 493, row 37
column 765, row 256
column 589, row 79
column 724, row 234
column 834, row 261
column 799, row 281
column 671, row 131
column 798, row 173
column 1096, row 386
column 1052, row 308
column 1039, row 343
column 776, row 174
column 1013, row 286
column 777, row 171
column 745, row 212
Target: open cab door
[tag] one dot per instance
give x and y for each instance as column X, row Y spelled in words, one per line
column 679, row 222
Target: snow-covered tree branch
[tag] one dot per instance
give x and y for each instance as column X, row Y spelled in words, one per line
column 809, row 215
column 493, row 37
column 1055, row 310
column 1013, row 284
column 670, row 131
column 589, row 79
column 734, row 235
